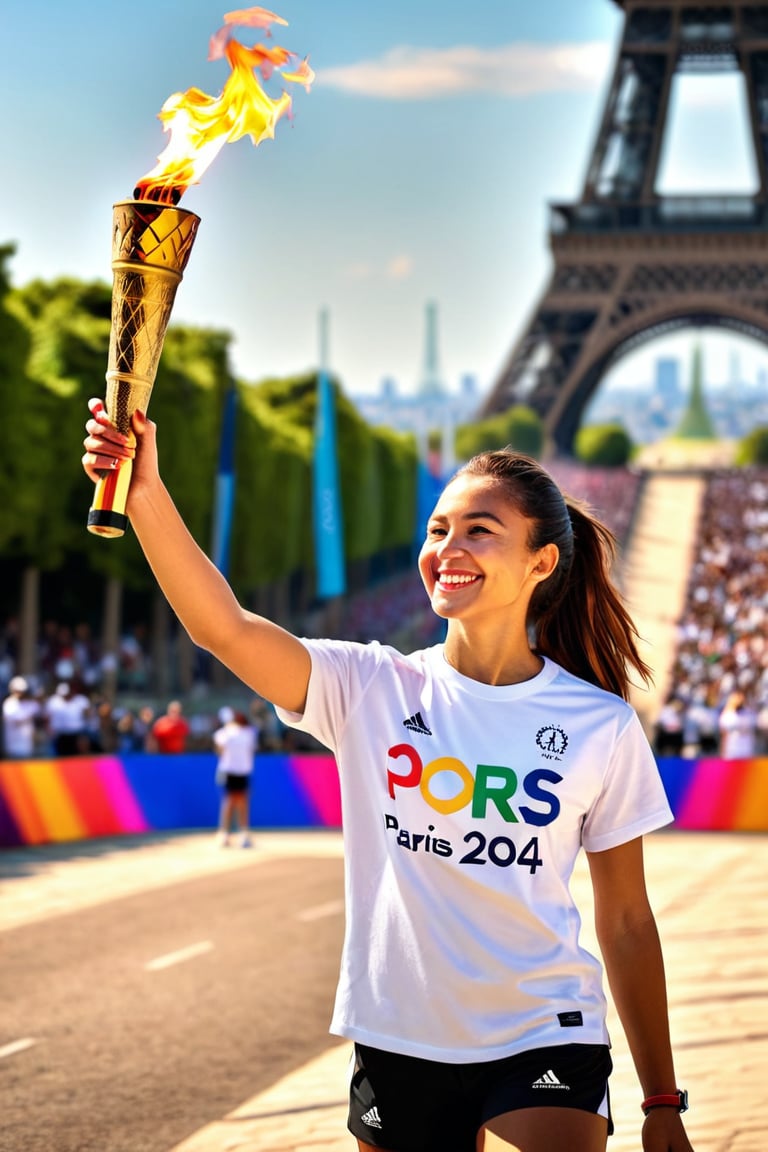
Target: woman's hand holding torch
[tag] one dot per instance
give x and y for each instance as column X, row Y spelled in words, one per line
column 108, row 450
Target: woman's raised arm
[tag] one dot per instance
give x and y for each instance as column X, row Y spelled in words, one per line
column 271, row 661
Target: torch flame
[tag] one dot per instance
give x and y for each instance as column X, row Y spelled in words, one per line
column 200, row 125
column 254, row 18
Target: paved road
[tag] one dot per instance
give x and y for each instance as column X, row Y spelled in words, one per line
column 155, row 1011
column 711, row 895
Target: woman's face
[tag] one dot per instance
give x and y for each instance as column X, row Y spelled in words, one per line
column 475, row 560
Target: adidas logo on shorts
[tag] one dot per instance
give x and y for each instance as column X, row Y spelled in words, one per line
column 549, row 1080
column 372, row 1118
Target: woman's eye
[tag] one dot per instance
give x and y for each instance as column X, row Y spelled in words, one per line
column 478, row 529
column 432, row 530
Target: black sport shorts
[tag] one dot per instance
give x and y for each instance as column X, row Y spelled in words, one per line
column 236, row 782
column 407, row 1104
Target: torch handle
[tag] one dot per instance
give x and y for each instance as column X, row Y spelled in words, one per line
column 107, row 514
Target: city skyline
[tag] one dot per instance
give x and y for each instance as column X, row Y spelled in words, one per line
column 419, row 168
column 724, row 363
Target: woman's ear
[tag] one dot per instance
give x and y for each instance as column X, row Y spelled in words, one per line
column 546, row 561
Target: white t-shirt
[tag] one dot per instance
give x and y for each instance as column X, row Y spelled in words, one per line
column 67, row 714
column 236, row 746
column 19, row 725
column 464, row 807
column 738, row 730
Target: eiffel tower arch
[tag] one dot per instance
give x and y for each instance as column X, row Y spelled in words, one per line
column 629, row 264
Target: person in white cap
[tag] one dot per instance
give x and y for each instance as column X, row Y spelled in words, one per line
column 235, row 743
column 67, row 712
column 20, row 713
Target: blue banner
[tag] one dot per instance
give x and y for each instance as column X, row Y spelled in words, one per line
column 327, row 511
column 428, row 489
column 224, row 497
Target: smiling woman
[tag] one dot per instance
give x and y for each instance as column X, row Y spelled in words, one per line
column 504, row 525
column 477, row 563
column 472, row 775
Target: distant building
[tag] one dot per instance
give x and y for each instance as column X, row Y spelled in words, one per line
column 432, row 407
column 667, row 385
column 653, row 411
column 417, row 412
column 431, row 380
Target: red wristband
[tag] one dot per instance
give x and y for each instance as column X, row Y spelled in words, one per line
column 678, row 1100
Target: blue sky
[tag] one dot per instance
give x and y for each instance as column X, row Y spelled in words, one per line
column 419, row 168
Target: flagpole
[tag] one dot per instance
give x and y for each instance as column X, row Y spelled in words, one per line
column 323, row 340
column 327, row 508
column 224, row 498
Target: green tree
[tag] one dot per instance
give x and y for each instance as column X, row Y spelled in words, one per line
column 604, row 445
column 365, row 461
column 397, row 461
column 68, row 336
column 519, row 428
column 25, row 434
column 272, row 519
column 753, row 448
column 66, row 328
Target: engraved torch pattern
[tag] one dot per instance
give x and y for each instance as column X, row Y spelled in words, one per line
column 151, row 244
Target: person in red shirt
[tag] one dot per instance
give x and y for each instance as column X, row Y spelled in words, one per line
column 170, row 731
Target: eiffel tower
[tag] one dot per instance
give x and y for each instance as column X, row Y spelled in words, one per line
column 629, row 264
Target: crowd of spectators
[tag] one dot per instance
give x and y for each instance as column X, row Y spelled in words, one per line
column 718, row 702
column 398, row 613
column 73, row 721
column 73, row 654
column 612, row 493
column 80, row 700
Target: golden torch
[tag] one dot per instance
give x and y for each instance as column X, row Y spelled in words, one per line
column 150, row 248
column 152, row 237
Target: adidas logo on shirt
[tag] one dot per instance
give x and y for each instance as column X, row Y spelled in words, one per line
column 549, row 1080
column 416, row 724
column 371, row 1118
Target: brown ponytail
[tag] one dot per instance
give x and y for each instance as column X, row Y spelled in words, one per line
column 588, row 630
column 576, row 616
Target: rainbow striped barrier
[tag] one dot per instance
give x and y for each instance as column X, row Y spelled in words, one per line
column 78, row 798
column 82, row 797
column 717, row 795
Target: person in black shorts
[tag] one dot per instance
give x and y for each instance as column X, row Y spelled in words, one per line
column 235, row 742
column 473, row 773
column 403, row 1102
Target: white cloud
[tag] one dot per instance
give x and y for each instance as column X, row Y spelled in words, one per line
column 517, row 69
column 400, row 267
column 359, row 271
column 397, row 267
